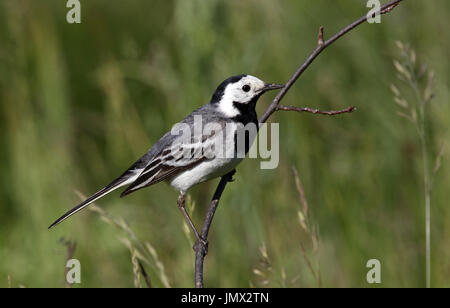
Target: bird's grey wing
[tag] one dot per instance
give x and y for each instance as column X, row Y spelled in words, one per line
column 173, row 160
column 177, row 154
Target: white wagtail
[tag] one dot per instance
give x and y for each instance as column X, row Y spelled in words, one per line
column 232, row 106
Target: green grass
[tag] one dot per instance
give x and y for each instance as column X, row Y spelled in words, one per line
column 79, row 103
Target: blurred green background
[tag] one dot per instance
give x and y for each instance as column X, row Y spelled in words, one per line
column 81, row 102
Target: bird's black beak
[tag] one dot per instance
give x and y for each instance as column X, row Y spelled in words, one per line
column 271, row 86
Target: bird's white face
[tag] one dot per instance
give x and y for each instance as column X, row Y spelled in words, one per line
column 241, row 92
column 244, row 90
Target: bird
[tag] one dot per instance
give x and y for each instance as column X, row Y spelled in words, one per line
column 183, row 160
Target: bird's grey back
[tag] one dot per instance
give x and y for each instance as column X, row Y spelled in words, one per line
column 208, row 114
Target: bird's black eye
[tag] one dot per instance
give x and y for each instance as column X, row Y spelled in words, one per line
column 246, row 88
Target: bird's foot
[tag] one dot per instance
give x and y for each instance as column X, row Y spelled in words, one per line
column 230, row 175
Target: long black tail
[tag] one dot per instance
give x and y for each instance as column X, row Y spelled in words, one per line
column 119, row 182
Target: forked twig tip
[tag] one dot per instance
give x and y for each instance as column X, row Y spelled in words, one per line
column 320, row 40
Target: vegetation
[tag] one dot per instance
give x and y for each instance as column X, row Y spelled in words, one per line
column 81, row 102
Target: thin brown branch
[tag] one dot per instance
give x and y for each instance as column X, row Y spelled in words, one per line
column 388, row 8
column 200, row 249
column 320, row 47
column 316, row 111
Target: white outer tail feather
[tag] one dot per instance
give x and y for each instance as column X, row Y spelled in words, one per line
column 102, row 192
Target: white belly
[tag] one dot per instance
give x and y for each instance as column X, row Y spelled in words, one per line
column 209, row 169
column 203, row 172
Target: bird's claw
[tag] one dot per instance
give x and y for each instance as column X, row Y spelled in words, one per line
column 231, row 175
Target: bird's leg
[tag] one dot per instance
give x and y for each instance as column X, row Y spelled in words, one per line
column 181, row 205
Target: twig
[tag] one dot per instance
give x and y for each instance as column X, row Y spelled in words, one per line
column 320, row 47
column 200, row 249
column 316, row 111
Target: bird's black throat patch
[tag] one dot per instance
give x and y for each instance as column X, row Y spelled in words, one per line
column 247, row 113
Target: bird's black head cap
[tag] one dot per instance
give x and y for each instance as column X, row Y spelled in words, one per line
column 217, row 96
